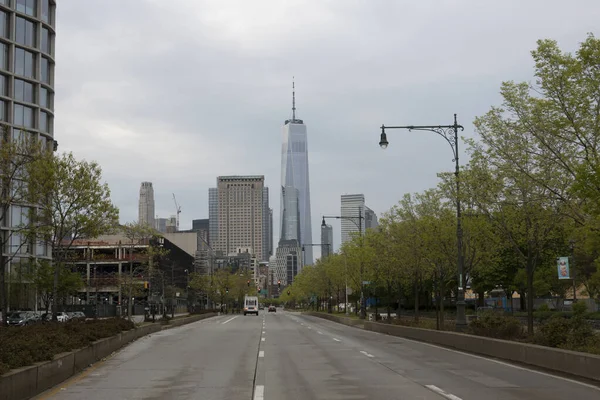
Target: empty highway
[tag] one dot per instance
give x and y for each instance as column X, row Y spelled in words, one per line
column 280, row 356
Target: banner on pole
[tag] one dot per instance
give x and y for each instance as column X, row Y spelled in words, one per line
column 562, row 265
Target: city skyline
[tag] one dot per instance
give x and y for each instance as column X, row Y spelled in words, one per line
column 221, row 112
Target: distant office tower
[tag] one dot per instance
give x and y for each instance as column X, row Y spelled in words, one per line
column 146, row 205
column 267, row 242
column 213, row 216
column 271, row 233
column 290, row 222
column 160, row 224
column 352, row 204
column 288, row 261
column 240, row 204
column 326, row 241
column 294, row 174
column 370, row 219
column 203, row 227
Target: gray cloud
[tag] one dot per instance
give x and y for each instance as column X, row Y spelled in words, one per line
column 179, row 92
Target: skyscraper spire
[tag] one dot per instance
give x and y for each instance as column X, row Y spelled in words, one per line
column 293, row 100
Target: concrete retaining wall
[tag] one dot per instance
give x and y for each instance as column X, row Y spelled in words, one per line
column 24, row 383
column 338, row 319
column 562, row 361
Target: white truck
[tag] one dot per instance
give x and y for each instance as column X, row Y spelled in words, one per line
column 250, row 305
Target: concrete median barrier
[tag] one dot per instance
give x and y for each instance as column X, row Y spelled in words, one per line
column 24, row 383
column 557, row 360
column 335, row 318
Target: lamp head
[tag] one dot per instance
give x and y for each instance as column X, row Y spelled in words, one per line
column 383, row 142
column 323, row 224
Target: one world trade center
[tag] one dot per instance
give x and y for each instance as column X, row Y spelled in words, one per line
column 295, row 186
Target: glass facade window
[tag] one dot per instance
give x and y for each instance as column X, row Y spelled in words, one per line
column 44, row 119
column 25, row 32
column 46, row 41
column 45, row 71
column 23, row 116
column 24, row 91
column 24, row 63
column 3, row 56
column 3, row 24
column 46, row 11
column 44, row 97
column 27, row 6
column 2, row 110
column 3, row 85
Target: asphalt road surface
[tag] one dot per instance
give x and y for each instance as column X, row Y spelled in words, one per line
column 280, row 356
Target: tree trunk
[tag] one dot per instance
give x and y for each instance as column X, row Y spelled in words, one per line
column 416, row 301
column 3, row 288
column 530, row 295
column 441, row 300
column 389, row 301
column 55, row 291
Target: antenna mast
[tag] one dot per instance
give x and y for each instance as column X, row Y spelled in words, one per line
column 293, row 100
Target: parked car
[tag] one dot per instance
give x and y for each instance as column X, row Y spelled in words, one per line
column 272, row 308
column 22, row 318
column 62, row 317
column 77, row 315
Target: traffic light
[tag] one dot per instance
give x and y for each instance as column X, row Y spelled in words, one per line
column 145, row 284
column 279, row 283
column 248, row 282
column 288, row 292
column 226, row 290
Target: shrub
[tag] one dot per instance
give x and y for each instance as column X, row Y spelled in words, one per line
column 579, row 308
column 554, row 332
column 26, row 345
column 544, row 307
column 495, row 325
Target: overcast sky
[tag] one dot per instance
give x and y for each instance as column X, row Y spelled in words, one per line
column 178, row 92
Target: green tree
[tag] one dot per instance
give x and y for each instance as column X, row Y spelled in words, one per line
column 42, row 277
column 74, row 204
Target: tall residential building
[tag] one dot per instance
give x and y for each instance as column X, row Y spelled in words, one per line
column 27, row 54
column 326, row 240
column 352, row 205
column 294, row 174
column 213, row 216
column 146, row 205
column 240, row 205
column 267, row 227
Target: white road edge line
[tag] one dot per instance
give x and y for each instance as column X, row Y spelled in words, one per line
column 230, row 319
column 503, row 363
column 261, row 354
column 337, row 340
column 259, row 392
column 367, row 354
column 439, row 391
column 319, row 332
column 262, row 339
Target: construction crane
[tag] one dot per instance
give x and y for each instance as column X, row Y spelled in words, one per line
column 178, row 209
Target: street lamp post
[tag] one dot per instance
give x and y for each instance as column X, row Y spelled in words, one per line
column 450, row 134
column 363, row 311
